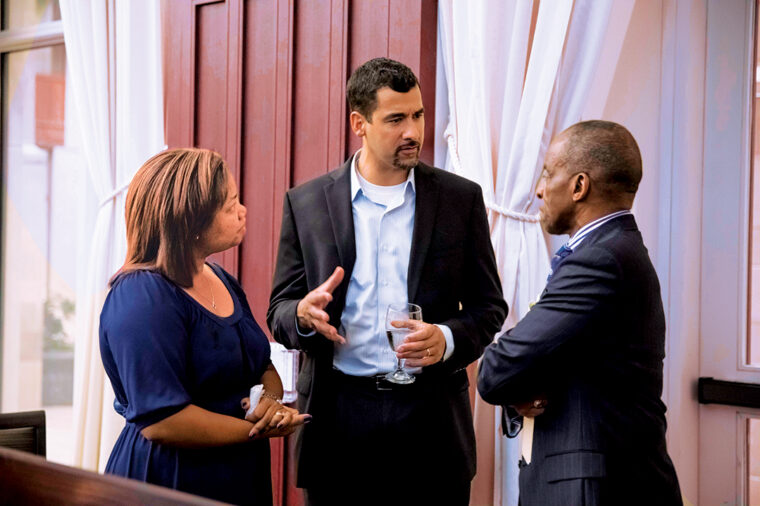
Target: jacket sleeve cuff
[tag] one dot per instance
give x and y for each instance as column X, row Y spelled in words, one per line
column 303, row 333
column 511, row 421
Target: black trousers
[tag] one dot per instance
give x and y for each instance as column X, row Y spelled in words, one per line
column 385, row 448
column 443, row 494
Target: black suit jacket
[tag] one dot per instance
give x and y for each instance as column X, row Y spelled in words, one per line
column 452, row 276
column 594, row 344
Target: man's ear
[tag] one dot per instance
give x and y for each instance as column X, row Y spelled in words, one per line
column 358, row 123
column 581, row 185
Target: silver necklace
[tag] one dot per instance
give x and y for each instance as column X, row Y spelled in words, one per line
column 211, row 289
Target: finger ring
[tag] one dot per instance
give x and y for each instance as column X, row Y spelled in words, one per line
column 428, row 353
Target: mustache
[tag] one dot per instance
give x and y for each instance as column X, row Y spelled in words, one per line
column 410, row 144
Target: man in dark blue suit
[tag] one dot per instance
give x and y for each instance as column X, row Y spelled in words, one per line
column 582, row 370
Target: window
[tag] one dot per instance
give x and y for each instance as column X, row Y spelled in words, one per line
column 752, row 345
column 752, row 353
column 43, row 181
column 25, row 14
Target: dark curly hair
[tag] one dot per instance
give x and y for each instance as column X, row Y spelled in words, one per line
column 377, row 73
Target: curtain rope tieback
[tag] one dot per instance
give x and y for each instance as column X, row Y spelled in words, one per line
column 457, row 164
column 530, row 218
column 113, row 195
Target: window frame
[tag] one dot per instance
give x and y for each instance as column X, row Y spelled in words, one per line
column 724, row 311
column 47, row 34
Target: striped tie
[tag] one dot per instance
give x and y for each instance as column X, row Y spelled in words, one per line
column 557, row 258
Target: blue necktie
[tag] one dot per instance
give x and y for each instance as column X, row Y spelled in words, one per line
column 557, row 258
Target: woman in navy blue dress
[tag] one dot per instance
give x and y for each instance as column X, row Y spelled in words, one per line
column 180, row 344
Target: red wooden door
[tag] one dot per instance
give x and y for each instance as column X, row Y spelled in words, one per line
column 263, row 83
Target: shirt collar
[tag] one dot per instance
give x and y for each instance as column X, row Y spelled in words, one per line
column 585, row 230
column 356, row 184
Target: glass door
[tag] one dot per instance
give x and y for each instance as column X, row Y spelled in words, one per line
column 729, row 387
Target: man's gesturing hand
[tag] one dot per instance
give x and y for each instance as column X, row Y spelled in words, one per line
column 311, row 309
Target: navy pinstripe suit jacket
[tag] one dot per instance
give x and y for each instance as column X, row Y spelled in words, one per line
column 594, row 345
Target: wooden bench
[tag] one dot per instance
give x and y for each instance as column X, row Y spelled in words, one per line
column 30, row 479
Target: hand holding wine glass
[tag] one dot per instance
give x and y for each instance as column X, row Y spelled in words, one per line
column 395, row 318
column 424, row 345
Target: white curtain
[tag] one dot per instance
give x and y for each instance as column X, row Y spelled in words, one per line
column 501, row 119
column 114, row 54
column 483, row 50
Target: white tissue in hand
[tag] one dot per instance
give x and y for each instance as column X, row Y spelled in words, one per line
column 255, row 396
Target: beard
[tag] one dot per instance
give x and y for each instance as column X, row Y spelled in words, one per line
column 557, row 225
column 407, row 163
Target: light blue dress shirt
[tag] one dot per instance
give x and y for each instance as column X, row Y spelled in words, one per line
column 383, row 227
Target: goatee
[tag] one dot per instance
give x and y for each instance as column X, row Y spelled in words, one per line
column 406, row 164
column 409, row 163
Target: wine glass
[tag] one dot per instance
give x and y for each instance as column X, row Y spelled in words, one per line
column 396, row 337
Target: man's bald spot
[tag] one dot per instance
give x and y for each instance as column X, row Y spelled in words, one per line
column 607, row 152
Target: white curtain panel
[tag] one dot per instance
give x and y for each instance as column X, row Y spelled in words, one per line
column 483, row 50
column 114, row 54
column 485, row 46
column 500, row 122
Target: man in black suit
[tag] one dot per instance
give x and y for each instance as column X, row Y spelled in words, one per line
column 385, row 228
column 584, row 366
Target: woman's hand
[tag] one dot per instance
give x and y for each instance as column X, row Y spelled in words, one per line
column 264, row 411
column 272, row 419
column 284, row 422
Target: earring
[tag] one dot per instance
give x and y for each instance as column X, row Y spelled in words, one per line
column 197, row 237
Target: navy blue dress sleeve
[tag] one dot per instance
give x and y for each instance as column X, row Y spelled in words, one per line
column 144, row 343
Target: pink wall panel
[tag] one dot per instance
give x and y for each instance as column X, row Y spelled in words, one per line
column 312, row 59
column 318, row 88
column 211, row 77
column 179, row 79
column 260, row 117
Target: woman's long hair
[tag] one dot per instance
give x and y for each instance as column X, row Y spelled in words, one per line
column 171, row 202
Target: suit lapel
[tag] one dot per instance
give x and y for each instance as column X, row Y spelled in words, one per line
column 338, row 196
column 426, row 204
